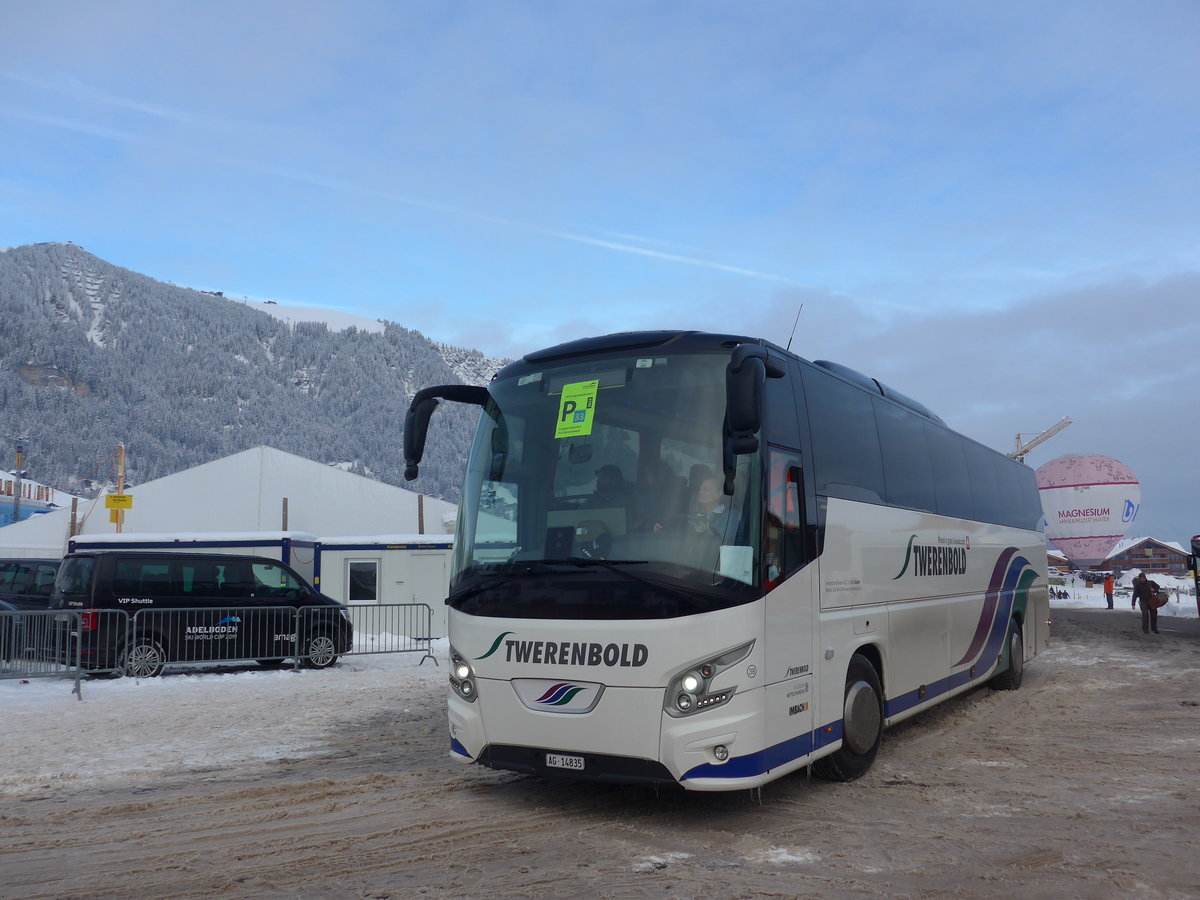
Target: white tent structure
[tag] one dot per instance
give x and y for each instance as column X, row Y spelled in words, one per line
column 262, row 489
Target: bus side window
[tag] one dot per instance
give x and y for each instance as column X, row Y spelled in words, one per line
column 784, row 531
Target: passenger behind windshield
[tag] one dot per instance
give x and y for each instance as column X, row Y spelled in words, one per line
column 660, row 498
column 610, row 483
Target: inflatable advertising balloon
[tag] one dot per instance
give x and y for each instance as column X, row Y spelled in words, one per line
column 1089, row 503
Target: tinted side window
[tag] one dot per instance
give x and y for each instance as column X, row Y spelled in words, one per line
column 985, row 483
column 233, row 578
column 1020, row 503
column 906, row 466
column 846, row 460
column 198, row 578
column 133, row 577
column 952, row 483
column 1031, row 513
column 781, row 424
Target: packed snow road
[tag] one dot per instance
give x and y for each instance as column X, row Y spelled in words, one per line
column 337, row 784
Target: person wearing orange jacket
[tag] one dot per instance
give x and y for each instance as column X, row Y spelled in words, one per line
column 1108, row 589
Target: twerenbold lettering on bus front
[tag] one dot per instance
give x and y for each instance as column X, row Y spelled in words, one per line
column 569, row 653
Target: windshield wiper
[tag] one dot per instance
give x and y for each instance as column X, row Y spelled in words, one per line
column 613, row 565
column 519, row 569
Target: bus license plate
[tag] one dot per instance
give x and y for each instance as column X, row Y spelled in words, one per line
column 563, row 761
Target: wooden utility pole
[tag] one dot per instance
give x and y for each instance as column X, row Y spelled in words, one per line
column 120, row 484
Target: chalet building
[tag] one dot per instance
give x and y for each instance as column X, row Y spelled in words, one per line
column 1147, row 554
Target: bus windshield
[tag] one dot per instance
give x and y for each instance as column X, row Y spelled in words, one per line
column 602, row 477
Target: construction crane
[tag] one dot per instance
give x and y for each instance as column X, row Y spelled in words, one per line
column 1023, row 448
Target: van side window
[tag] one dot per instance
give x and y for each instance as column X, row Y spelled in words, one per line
column 141, row 578
column 274, row 581
column 232, row 579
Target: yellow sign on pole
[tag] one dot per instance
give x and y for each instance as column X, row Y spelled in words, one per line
column 118, row 501
column 114, row 516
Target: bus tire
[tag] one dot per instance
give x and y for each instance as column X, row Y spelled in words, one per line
column 320, row 651
column 862, row 724
column 1010, row 679
column 143, row 657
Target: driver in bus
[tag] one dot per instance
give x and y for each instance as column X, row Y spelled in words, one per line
column 712, row 513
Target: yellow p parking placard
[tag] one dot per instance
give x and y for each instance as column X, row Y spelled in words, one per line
column 576, row 409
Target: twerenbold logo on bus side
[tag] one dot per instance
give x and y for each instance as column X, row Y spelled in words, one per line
column 568, row 653
column 947, row 557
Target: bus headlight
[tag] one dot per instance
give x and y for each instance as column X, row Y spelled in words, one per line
column 692, row 690
column 462, row 676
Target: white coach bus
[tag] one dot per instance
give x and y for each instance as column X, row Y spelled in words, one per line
column 698, row 559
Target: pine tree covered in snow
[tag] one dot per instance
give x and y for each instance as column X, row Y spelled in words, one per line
column 95, row 355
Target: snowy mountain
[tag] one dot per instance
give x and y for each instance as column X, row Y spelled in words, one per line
column 97, row 355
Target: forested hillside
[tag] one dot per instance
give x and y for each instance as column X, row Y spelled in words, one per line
column 94, row 355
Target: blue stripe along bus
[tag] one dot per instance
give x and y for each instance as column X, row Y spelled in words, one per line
column 698, row 559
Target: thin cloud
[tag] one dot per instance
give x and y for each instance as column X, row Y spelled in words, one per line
column 339, row 185
column 100, row 131
column 88, row 93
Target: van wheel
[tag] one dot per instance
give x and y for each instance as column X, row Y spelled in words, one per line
column 144, row 657
column 1010, row 679
column 320, row 651
column 862, row 724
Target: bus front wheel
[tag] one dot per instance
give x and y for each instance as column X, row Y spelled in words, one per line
column 862, row 724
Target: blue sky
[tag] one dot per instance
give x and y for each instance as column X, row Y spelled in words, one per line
column 993, row 207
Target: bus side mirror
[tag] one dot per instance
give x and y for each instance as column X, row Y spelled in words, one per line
column 745, row 377
column 416, row 420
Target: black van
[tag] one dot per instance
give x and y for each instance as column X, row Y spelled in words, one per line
column 142, row 610
column 26, row 583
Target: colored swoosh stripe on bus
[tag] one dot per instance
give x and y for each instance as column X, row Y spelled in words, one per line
column 559, row 695
column 998, row 602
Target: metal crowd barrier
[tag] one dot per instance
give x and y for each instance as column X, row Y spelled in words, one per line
column 393, row 628
column 38, row 644
column 94, row 642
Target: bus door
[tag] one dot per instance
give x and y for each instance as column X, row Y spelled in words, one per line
column 790, row 603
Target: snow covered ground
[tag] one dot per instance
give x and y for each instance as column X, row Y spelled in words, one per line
column 1182, row 592
column 127, row 728
column 264, row 784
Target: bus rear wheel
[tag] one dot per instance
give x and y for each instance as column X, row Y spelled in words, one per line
column 1010, row 679
column 862, row 724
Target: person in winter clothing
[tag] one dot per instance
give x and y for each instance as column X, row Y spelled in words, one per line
column 1143, row 595
column 1108, row 589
